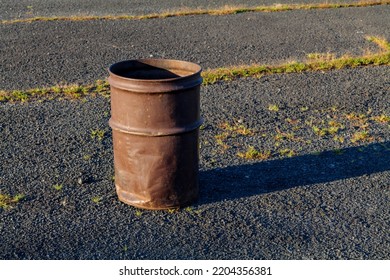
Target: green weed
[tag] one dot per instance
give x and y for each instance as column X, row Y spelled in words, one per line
column 138, row 213
column 19, row 95
column 86, row 157
column 287, row 152
column 321, row 56
column 320, row 63
column 172, row 210
column 360, row 136
column 97, row 133
column 316, row 62
column 57, row 187
column 304, row 109
column 56, row 89
column 96, row 199
column 381, row 42
column 381, row 119
column 253, row 154
column 237, row 129
column 273, row 108
column 280, row 136
column 227, row 10
column 220, row 140
column 332, row 129
column 6, row 201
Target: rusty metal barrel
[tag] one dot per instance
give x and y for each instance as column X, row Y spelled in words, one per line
column 155, row 120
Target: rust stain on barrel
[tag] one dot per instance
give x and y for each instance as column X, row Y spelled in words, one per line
column 155, row 118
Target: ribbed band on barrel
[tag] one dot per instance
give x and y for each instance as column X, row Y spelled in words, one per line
column 160, row 132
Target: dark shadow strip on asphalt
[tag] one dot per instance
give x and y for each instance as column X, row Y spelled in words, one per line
column 235, row 182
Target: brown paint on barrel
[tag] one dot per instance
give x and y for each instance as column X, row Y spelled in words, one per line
column 155, row 118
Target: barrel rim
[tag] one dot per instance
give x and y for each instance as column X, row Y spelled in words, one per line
column 158, row 62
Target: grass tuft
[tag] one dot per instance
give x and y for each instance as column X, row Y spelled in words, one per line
column 360, row 136
column 226, row 10
column 287, row 153
column 315, row 62
column 273, row 108
column 96, row 199
column 97, row 133
column 253, row 154
column 57, row 187
column 239, row 129
column 380, row 41
column 7, row 201
column 381, row 119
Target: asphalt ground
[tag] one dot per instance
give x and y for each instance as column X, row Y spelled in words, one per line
column 315, row 197
column 330, row 200
column 47, row 53
column 32, row 8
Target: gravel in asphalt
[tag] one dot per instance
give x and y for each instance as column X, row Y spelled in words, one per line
column 328, row 200
column 47, row 53
column 33, row 8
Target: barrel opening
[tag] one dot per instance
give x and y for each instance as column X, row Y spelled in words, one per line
column 150, row 70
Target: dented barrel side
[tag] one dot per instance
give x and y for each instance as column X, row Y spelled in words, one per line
column 155, row 119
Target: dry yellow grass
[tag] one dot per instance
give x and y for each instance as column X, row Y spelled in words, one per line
column 318, row 63
column 225, row 10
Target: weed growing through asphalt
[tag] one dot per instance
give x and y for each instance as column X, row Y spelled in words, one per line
column 282, row 136
column 29, row 11
column 7, row 201
column 56, row 89
column 138, row 213
column 172, row 210
column 97, row 133
column 359, row 121
column 75, row 91
column 381, row 42
column 220, row 140
column 273, row 108
column 231, row 130
column 59, row 92
column 339, row 139
column 226, row 10
column 297, row 133
column 333, row 128
column 57, row 187
column 317, row 62
column 19, row 95
column 253, row 154
column 287, row 153
column 381, row 119
column 192, row 211
column 102, row 88
column 304, row 109
column 321, row 56
column 86, row 157
column 360, row 136
column 96, row 199
column 237, row 128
